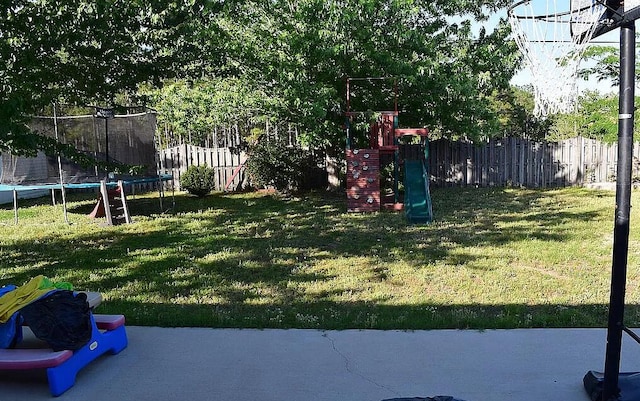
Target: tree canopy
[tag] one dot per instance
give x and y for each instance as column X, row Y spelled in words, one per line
column 81, row 51
column 604, row 63
column 303, row 51
column 290, row 58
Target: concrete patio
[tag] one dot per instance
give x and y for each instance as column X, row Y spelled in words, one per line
column 351, row 365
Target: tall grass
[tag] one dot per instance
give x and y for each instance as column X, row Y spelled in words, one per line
column 493, row 258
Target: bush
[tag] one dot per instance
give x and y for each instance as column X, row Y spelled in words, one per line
column 198, row 180
column 281, row 166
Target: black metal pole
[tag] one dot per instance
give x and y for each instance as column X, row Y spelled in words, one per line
column 623, row 207
column 106, row 141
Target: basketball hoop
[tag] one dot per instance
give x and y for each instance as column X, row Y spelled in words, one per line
column 553, row 36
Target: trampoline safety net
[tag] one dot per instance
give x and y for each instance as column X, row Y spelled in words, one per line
column 125, row 138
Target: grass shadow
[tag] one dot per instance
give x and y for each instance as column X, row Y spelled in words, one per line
column 257, row 260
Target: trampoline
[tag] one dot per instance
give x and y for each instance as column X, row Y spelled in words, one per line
column 114, row 138
column 132, row 182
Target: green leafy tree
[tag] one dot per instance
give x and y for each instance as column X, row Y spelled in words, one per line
column 598, row 113
column 604, row 64
column 295, row 53
column 302, row 51
column 599, row 116
column 596, row 117
column 81, row 51
column 193, row 109
column 514, row 107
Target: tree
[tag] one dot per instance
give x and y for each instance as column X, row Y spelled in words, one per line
column 286, row 168
column 596, row 117
column 82, row 51
column 192, row 110
column 604, row 64
column 302, row 51
column 514, row 107
column 296, row 53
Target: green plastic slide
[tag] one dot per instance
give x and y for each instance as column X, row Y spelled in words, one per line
column 417, row 199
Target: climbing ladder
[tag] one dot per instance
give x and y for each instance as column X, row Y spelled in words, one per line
column 112, row 205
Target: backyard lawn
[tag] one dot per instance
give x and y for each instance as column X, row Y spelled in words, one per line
column 493, row 258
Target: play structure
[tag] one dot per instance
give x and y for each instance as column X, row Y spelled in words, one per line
column 103, row 135
column 392, row 155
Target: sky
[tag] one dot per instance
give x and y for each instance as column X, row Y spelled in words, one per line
column 524, row 77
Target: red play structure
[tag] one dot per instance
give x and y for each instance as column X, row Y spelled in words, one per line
column 364, row 165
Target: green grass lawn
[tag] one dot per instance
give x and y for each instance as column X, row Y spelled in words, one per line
column 493, row 258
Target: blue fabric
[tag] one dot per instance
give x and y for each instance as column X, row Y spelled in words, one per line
column 7, row 288
column 8, row 330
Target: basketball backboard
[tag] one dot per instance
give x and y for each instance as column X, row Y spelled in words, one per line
column 612, row 15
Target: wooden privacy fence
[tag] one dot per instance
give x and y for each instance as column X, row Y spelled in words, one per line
column 224, row 162
column 498, row 162
column 520, row 162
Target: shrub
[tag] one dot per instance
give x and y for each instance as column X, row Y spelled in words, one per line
column 198, row 180
column 276, row 164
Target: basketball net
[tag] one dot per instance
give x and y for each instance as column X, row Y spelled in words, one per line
column 553, row 38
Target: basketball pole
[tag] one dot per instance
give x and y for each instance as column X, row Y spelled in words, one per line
column 615, row 326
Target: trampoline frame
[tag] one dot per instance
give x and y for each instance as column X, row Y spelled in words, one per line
column 15, row 188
